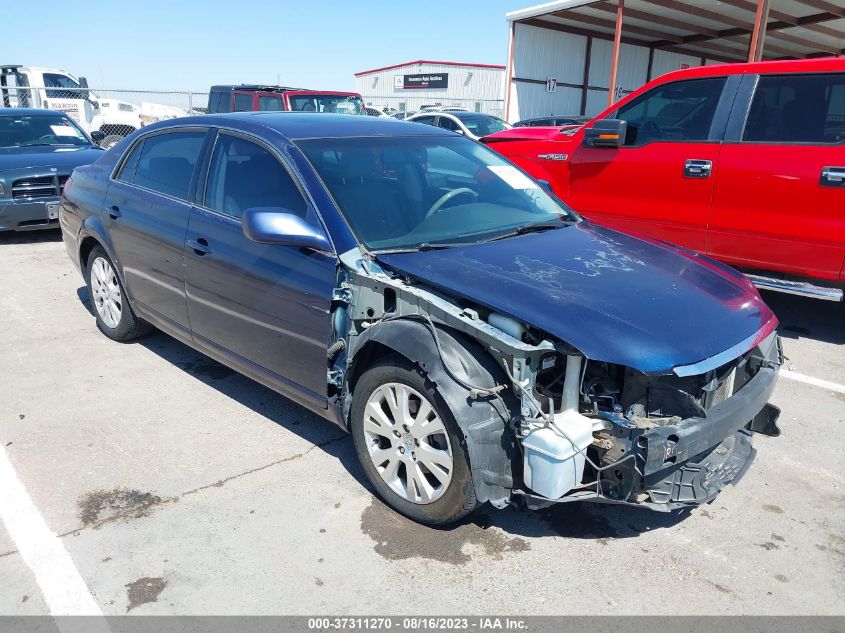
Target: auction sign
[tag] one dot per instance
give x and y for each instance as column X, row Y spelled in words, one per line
column 424, row 80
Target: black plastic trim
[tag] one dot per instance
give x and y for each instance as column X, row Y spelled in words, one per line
column 695, row 435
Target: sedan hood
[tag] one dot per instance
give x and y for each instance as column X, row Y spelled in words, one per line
column 64, row 159
column 614, row 297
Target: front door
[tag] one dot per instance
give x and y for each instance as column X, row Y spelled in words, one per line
column 146, row 215
column 660, row 182
column 266, row 307
column 779, row 202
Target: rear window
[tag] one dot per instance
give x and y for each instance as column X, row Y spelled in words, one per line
column 797, row 109
column 166, row 163
column 219, row 101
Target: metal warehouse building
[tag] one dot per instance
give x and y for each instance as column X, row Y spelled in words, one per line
column 563, row 56
column 409, row 86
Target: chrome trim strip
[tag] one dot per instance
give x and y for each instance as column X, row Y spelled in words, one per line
column 799, row 288
column 714, row 362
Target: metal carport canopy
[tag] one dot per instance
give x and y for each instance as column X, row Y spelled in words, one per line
column 723, row 30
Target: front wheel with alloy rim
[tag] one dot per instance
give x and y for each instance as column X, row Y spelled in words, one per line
column 114, row 315
column 410, row 446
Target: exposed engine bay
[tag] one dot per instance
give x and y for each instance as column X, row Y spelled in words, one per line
column 543, row 423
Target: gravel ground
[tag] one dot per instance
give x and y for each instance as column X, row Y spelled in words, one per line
column 180, row 487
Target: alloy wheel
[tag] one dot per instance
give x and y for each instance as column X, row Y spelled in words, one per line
column 105, row 288
column 408, row 443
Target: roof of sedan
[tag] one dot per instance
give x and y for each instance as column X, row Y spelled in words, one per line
column 295, row 125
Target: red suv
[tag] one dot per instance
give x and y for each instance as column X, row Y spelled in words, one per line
column 248, row 98
column 743, row 162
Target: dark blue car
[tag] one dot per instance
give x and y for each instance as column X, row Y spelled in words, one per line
column 38, row 151
column 479, row 340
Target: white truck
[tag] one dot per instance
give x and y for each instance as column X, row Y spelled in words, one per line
column 56, row 89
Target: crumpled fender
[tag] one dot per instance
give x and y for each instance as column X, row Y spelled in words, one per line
column 491, row 444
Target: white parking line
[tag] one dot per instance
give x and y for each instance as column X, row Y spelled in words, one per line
column 63, row 588
column 817, row 382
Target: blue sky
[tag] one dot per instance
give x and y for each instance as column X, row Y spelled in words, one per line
column 192, row 44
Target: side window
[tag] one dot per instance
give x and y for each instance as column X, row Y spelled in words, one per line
column 167, row 162
column 797, row 109
column 447, row 123
column 53, row 80
column 243, row 103
column 273, row 104
column 127, row 172
column 244, row 175
column 679, row 111
column 428, row 120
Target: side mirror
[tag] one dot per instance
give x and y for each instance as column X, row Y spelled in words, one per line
column 83, row 83
column 97, row 136
column 458, row 130
column 606, row 133
column 276, row 225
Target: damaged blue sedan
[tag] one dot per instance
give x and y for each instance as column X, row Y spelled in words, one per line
column 479, row 340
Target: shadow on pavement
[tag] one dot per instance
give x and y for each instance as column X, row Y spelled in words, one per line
column 30, row 237
column 808, row 318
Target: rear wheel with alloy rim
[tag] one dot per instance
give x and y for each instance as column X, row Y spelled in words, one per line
column 114, row 315
column 409, row 444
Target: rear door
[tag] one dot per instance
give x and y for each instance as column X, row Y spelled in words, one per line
column 660, row 182
column 779, row 202
column 264, row 307
column 146, row 215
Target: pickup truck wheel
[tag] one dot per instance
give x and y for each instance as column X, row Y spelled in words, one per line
column 110, row 140
column 114, row 315
column 409, row 444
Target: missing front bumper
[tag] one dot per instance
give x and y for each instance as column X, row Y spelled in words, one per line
column 686, row 464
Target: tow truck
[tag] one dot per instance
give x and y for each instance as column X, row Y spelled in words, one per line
column 57, row 89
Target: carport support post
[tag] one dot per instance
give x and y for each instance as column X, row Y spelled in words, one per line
column 758, row 36
column 614, row 60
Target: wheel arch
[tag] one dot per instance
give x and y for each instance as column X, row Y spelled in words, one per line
column 93, row 234
column 484, row 421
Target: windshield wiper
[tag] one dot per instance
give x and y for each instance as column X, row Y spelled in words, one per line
column 536, row 227
column 422, row 246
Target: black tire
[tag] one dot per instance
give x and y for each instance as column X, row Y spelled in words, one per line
column 458, row 500
column 129, row 327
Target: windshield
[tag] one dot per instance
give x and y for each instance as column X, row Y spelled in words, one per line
column 482, row 124
column 338, row 104
column 399, row 193
column 39, row 129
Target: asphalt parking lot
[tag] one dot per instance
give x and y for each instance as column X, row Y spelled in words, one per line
column 180, row 487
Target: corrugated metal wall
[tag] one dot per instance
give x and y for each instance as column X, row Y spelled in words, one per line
column 543, row 53
column 469, row 86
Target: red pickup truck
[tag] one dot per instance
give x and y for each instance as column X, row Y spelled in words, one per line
column 743, row 162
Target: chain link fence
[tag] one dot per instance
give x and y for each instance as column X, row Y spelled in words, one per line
column 115, row 113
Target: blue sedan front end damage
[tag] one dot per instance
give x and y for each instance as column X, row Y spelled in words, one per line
column 565, row 399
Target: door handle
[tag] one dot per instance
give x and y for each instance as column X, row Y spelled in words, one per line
column 199, row 246
column 696, row 168
column 114, row 212
column 832, row 177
